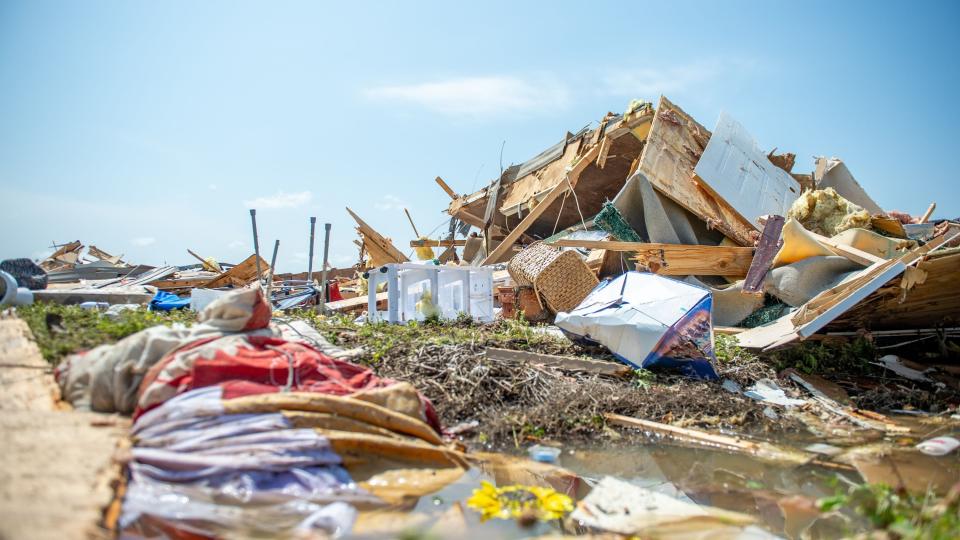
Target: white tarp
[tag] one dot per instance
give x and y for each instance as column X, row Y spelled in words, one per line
column 735, row 167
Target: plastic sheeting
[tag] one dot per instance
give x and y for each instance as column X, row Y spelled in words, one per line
column 195, row 469
column 648, row 321
column 165, row 301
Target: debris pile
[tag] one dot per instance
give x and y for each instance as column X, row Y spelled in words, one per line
column 647, row 242
column 785, row 256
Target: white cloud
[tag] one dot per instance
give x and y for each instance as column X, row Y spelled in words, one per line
column 143, row 241
column 475, row 96
column 280, row 200
column 236, row 244
column 301, row 256
column 212, row 187
column 650, row 82
column 390, row 202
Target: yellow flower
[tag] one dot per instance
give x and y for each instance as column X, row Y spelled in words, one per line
column 513, row 501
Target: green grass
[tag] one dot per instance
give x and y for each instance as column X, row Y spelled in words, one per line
column 902, row 514
column 385, row 338
column 62, row 330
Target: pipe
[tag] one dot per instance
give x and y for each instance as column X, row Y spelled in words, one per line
column 313, row 226
column 256, row 245
column 273, row 267
column 323, row 271
column 10, row 294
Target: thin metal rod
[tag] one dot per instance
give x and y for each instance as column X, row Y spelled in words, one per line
column 326, row 256
column 273, row 267
column 256, row 245
column 411, row 223
column 313, row 226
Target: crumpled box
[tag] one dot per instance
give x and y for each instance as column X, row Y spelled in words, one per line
column 648, row 321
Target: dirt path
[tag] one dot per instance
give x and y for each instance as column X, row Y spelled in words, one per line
column 56, row 465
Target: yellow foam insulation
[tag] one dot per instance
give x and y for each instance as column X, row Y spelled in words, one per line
column 424, row 253
column 825, row 212
column 798, row 244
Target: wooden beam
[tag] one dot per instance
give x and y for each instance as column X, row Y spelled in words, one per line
column 356, row 303
column 239, row 275
column 766, row 251
column 511, row 238
column 569, row 182
column 678, row 259
column 703, row 261
column 371, row 236
column 849, row 252
column 569, row 363
column 448, row 189
column 757, row 449
column 437, row 243
column 926, row 215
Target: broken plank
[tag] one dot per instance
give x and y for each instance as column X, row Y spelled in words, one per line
column 677, row 259
column 94, row 251
column 370, row 233
column 568, row 183
column 351, row 304
column 830, row 304
column 716, row 262
column 855, row 417
column 766, row 251
column 926, row 215
column 562, row 362
column 760, row 450
column 240, row 275
column 849, row 252
column 437, row 243
column 446, row 188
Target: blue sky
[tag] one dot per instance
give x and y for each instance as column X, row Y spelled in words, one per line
column 148, row 128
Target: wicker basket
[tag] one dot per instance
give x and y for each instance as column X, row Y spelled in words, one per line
column 562, row 278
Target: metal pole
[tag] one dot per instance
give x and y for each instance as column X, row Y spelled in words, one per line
column 256, row 245
column 273, row 267
column 313, row 226
column 326, row 255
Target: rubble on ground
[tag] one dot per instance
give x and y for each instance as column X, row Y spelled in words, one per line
column 644, row 278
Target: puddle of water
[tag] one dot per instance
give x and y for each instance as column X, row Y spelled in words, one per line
column 781, row 497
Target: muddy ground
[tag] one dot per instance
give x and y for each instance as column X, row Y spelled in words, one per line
column 512, row 403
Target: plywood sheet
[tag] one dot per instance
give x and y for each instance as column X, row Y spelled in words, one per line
column 934, row 302
column 674, row 145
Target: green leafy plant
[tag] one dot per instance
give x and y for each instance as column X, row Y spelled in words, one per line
column 643, row 378
column 829, row 357
column 900, row 512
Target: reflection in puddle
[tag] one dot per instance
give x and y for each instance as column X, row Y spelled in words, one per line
column 782, row 498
